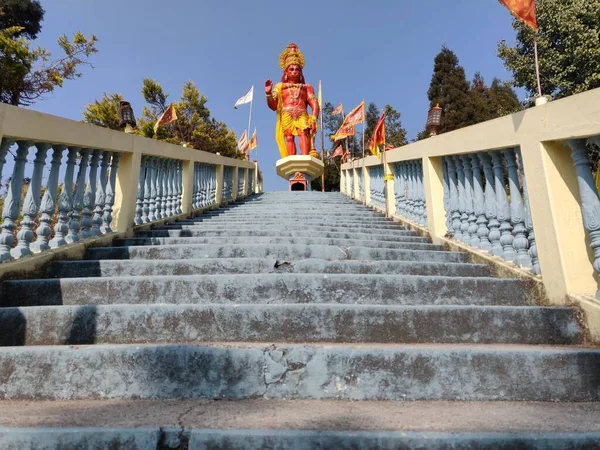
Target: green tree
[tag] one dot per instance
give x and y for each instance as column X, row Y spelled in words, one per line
column 450, row 89
column 104, row 112
column 27, row 14
column 395, row 134
column 503, row 98
column 30, row 73
column 331, row 124
column 568, row 44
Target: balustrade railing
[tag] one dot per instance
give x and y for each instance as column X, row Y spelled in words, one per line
column 409, row 192
column 377, row 186
column 240, row 187
column 250, row 181
column 487, row 207
column 361, row 183
column 205, row 180
column 65, row 180
column 521, row 188
column 227, row 183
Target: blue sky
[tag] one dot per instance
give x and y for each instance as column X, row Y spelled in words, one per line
column 380, row 51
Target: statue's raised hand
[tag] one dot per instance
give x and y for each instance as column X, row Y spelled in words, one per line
column 268, row 87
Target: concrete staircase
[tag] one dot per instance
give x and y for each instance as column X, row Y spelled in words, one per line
column 291, row 304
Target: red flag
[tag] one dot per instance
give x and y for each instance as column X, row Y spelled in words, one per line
column 378, row 136
column 339, row 109
column 524, row 10
column 388, row 147
column 356, row 116
column 168, row 116
column 339, row 151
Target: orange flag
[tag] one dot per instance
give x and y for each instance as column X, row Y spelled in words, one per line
column 170, row 115
column 339, row 151
column 344, row 132
column 357, row 115
column 253, row 142
column 378, row 136
column 339, row 109
column 524, row 10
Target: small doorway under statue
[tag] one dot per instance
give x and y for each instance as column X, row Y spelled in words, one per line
column 298, row 182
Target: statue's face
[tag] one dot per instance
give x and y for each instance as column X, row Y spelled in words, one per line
column 293, row 72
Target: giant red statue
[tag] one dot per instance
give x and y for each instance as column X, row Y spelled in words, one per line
column 290, row 99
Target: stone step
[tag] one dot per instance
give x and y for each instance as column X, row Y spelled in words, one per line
column 327, row 371
column 278, row 218
column 402, row 236
column 269, row 288
column 285, row 225
column 288, row 252
column 179, row 437
column 197, row 324
column 298, row 424
column 124, row 268
column 315, row 228
column 415, row 244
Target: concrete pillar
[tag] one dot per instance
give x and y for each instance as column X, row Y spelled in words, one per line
column 187, row 196
column 366, row 184
column 565, row 258
column 390, row 197
column 433, row 180
column 246, row 182
column 126, row 188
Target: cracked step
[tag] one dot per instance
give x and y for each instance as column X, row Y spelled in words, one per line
column 269, row 288
column 343, row 372
column 127, row 324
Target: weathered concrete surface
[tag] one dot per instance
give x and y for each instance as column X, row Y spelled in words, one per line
column 124, row 268
column 361, row 372
column 418, row 416
column 409, row 244
column 269, row 288
column 397, row 236
column 279, row 251
column 198, row 439
column 79, row 438
column 125, row 324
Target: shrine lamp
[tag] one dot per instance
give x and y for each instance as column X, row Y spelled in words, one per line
column 434, row 120
column 126, row 117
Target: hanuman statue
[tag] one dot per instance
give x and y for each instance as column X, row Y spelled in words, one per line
column 290, row 100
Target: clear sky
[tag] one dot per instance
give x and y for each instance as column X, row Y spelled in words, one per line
column 380, row 51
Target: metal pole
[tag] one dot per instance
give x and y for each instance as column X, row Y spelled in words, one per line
column 537, row 64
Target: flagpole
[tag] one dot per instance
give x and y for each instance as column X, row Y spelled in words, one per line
column 363, row 161
column 249, row 121
column 322, row 140
column 383, row 159
column 537, row 63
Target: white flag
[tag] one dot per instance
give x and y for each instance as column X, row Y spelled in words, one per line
column 245, row 99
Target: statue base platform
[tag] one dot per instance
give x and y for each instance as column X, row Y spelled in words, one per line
column 299, row 170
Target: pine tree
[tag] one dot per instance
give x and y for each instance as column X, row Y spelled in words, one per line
column 450, row 89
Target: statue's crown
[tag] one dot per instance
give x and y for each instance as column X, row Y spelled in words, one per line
column 291, row 55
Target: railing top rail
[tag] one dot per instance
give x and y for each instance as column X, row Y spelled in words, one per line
column 572, row 117
column 24, row 124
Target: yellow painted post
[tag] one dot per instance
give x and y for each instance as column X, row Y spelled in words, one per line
column 234, row 183
column 219, row 190
column 433, row 180
column 390, row 196
column 343, row 181
column 355, row 193
column 366, row 185
column 128, row 175
column 187, row 195
column 565, row 257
